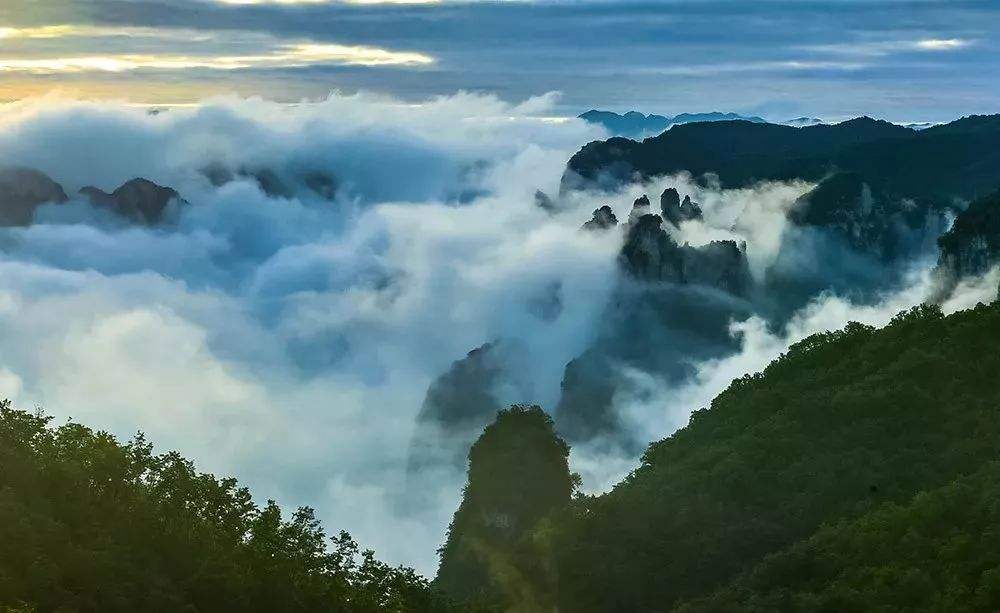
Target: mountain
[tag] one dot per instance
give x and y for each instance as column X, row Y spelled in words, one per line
column 960, row 159
column 846, row 427
column 91, row 524
column 518, row 476
column 857, row 472
column 22, row 191
column 637, row 125
column 139, row 200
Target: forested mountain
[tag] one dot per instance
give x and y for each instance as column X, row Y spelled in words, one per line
column 841, row 426
column 857, row 472
column 91, row 524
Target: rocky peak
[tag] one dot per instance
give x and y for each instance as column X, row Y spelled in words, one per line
column 138, row 200
column 650, row 254
column 674, row 211
column 603, row 219
column 544, row 201
column 640, row 208
column 22, row 190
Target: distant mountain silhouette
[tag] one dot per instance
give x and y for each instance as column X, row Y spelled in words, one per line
column 637, row 125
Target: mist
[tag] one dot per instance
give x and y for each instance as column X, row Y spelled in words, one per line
column 289, row 336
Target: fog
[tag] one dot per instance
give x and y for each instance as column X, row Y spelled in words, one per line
column 290, row 338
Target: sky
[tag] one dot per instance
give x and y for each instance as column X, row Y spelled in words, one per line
column 904, row 60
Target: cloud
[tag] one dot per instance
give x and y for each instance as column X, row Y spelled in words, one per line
column 289, row 339
column 884, row 48
column 286, row 56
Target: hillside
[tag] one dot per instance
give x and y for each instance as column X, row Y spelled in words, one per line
column 91, row 524
column 846, row 430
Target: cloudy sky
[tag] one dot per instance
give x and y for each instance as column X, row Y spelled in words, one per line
column 925, row 60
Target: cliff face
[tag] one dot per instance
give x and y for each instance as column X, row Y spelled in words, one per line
column 972, row 246
column 650, row 254
column 868, row 220
column 23, row 190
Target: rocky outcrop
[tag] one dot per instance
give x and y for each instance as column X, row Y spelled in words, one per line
column 22, row 191
column 640, row 207
column 972, row 246
column 871, row 221
column 275, row 185
column 603, row 219
column 544, row 202
column 650, row 254
column 139, row 200
column 676, row 212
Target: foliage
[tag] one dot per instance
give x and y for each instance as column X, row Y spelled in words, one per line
column 938, row 552
column 91, row 524
column 841, row 426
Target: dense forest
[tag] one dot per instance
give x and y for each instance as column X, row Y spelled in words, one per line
column 91, row 524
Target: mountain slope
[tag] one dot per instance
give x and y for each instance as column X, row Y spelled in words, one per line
column 939, row 551
column 844, row 423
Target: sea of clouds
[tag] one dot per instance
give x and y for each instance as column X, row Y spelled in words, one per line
column 289, row 340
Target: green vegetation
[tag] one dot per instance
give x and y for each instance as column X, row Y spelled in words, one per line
column 939, row 552
column 861, row 462
column 90, row 524
column 495, row 556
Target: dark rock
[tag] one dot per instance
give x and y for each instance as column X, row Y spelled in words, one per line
column 719, row 264
column 670, row 200
column 544, row 202
column 650, row 254
column 640, row 207
column 674, row 211
column 321, row 184
column 584, row 409
column 870, row 221
column 138, row 200
column 22, row 191
column 603, row 219
column 270, row 183
column 217, row 174
column 972, row 246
